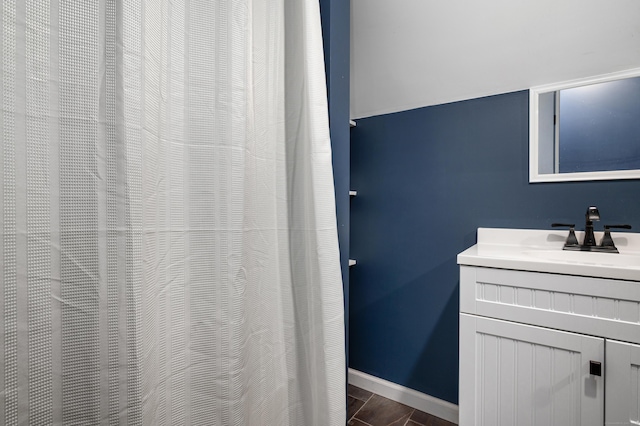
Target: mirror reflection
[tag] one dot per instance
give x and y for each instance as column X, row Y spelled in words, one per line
column 586, row 130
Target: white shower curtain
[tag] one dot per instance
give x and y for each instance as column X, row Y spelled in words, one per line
column 169, row 248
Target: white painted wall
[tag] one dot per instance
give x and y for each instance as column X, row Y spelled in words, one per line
column 408, row 54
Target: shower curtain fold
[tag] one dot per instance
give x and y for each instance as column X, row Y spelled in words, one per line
column 169, row 245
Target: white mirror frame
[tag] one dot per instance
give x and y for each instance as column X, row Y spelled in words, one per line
column 534, row 96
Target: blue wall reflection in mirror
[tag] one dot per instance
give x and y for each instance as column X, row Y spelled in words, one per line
column 599, row 127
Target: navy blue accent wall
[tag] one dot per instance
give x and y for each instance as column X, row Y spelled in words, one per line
column 426, row 180
column 335, row 33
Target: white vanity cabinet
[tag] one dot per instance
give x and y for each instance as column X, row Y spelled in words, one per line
column 531, row 343
column 623, row 383
column 525, row 375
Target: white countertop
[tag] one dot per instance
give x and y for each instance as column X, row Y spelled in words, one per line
column 541, row 251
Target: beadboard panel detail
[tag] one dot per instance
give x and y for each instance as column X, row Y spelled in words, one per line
column 635, row 389
column 560, row 301
column 593, row 306
column 508, row 384
column 623, row 383
column 418, row 400
column 527, row 375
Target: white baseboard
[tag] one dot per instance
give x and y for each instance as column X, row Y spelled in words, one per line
column 414, row 399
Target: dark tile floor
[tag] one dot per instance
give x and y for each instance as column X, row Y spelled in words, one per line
column 369, row 409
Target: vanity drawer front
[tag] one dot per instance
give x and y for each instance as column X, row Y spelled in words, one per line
column 594, row 306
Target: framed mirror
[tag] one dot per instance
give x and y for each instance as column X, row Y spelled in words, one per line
column 585, row 129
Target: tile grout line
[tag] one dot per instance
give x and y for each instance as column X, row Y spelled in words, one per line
column 360, row 399
column 356, row 413
column 409, row 418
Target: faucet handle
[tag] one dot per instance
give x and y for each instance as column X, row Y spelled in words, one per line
column 607, row 241
column 572, row 240
column 563, row 225
column 617, row 227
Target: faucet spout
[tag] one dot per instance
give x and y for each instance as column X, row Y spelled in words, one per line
column 592, row 215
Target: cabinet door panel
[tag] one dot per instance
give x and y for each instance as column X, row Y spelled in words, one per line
column 623, row 383
column 526, row 375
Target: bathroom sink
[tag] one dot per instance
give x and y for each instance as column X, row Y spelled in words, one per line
column 583, row 257
column 541, row 250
